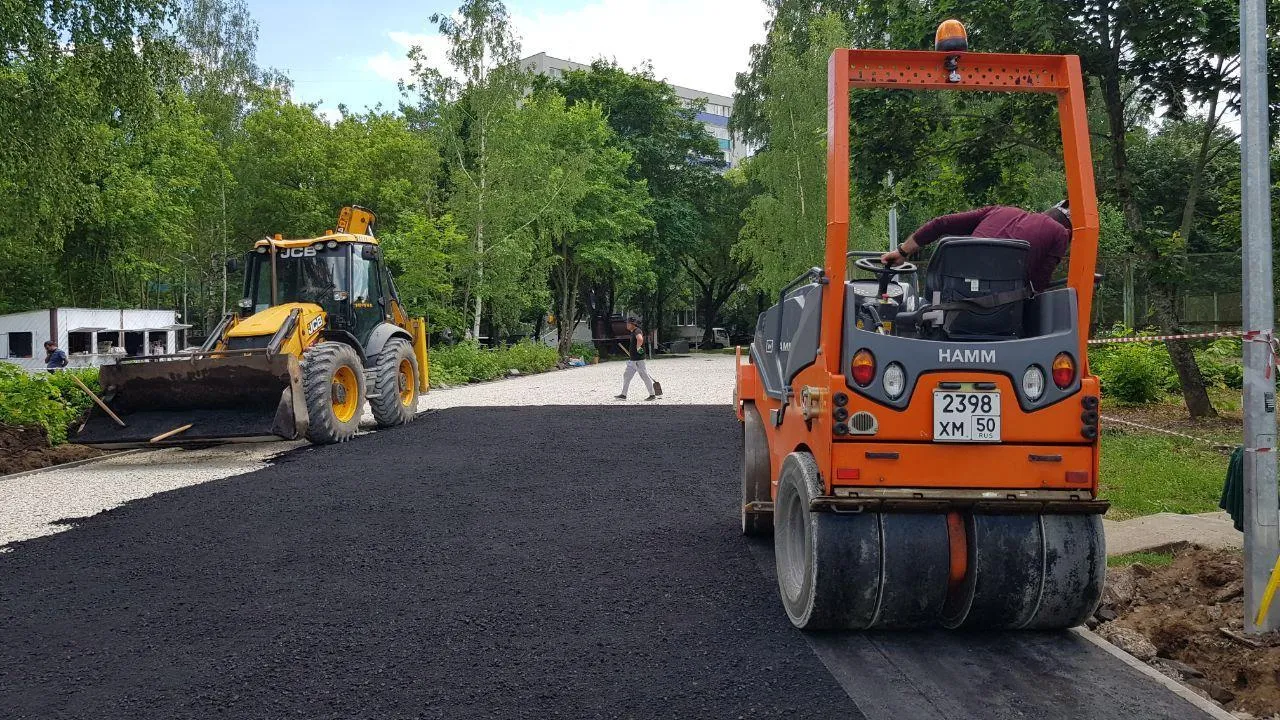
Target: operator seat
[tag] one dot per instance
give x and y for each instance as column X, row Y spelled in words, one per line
column 975, row 289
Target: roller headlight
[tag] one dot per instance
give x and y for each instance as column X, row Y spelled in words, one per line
column 1033, row 383
column 894, row 380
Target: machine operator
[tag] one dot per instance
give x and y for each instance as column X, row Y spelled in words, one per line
column 1048, row 233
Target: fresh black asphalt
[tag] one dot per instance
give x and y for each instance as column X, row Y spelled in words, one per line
column 523, row 562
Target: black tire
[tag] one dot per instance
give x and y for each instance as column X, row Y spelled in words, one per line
column 397, row 391
column 324, row 365
column 755, row 474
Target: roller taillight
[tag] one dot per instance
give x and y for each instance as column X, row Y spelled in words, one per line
column 863, row 367
column 1064, row 371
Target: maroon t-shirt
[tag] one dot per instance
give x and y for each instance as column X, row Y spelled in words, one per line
column 1049, row 240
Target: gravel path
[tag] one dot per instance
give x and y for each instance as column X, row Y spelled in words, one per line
column 34, row 505
column 692, row 380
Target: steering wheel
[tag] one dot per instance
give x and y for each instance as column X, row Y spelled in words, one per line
column 884, row 273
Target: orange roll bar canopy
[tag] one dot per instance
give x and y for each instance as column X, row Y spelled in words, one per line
column 956, row 70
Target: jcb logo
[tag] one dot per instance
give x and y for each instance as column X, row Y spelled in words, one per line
column 297, row 252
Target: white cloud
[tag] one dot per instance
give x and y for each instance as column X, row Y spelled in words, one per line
column 700, row 44
column 330, row 115
column 395, row 65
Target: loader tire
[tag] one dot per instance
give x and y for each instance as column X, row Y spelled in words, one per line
column 333, row 384
column 395, row 382
column 755, row 474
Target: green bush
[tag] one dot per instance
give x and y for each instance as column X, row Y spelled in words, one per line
column 53, row 402
column 529, row 357
column 1220, row 363
column 585, row 350
column 468, row 362
column 1132, row 372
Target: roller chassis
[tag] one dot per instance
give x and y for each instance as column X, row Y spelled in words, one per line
column 884, row 526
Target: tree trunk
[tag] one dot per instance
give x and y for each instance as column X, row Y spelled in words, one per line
column 708, row 303
column 1184, row 362
column 480, row 171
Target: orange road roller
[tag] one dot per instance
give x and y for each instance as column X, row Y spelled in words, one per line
column 929, row 458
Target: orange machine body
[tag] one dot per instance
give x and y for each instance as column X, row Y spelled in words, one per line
column 1039, row 449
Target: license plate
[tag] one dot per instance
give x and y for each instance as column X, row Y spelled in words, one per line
column 966, row 416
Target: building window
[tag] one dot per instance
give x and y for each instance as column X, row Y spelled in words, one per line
column 79, row 343
column 19, row 344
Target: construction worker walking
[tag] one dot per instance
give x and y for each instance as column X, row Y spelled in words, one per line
column 635, row 361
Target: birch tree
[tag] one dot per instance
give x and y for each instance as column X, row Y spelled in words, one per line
column 464, row 104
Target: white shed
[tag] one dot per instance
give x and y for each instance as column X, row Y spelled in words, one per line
column 90, row 337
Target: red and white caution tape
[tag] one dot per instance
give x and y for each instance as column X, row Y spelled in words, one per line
column 1153, row 428
column 1162, row 338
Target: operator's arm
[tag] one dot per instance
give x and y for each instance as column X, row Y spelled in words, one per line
column 639, row 341
column 962, row 223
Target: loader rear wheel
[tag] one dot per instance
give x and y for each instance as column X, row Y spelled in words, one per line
column 332, row 382
column 396, row 384
column 755, row 474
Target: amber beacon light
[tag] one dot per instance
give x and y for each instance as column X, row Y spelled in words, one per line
column 951, row 37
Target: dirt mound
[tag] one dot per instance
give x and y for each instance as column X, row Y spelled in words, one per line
column 27, row 448
column 1192, row 611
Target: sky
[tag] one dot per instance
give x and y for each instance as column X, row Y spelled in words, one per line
column 349, row 52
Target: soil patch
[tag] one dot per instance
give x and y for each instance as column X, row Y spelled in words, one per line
column 1225, row 428
column 27, row 448
column 1187, row 618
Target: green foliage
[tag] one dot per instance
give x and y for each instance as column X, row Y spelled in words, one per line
column 1135, row 373
column 469, row 362
column 53, row 402
column 1132, row 373
column 586, row 351
column 786, row 221
column 674, row 156
column 1220, row 363
column 529, row 357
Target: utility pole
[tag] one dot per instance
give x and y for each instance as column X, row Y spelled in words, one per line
column 1261, row 516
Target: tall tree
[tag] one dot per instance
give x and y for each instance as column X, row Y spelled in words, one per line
column 466, row 106
column 785, row 222
column 593, row 211
column 670, row 150
column 710, row 263
column 70, row 72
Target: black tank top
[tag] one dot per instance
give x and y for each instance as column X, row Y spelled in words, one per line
column 634, row 345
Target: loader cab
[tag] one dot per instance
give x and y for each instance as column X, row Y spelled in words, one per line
column 342, row 274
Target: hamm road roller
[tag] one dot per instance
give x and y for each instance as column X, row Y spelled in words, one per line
column 319, row 332
column 931, row 459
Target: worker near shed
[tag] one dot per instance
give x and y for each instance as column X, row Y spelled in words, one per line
column 1048, row 233
column 54, row 358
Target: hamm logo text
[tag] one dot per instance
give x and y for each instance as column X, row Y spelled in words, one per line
column 967, row 356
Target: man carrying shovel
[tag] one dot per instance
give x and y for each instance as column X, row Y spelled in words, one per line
column 635, row 362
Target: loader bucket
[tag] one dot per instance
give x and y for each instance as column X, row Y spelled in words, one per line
column 236, row 396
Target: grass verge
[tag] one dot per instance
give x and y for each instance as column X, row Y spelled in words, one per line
column 1144, row 474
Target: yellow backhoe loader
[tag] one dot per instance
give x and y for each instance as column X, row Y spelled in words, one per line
column 320, row 330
